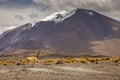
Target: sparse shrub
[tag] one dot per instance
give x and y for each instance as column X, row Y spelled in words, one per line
column 105, row 58
column 19, row 63
column 83, row 61
column 24, row 61
column 116, row 60
column 59, row 62
column 78, row 60
column 49, row 61
column 92, row 60
column 67, row 61
column 12, row 62
column 98, row 59
column 5, row 63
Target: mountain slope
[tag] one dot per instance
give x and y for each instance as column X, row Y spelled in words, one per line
column 80, row 32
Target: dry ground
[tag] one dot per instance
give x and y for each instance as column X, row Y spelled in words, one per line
column 75, row 71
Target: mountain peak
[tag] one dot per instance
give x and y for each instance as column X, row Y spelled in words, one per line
column 62, row 15
column 84, row 11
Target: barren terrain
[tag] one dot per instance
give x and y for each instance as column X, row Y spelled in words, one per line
column 106, row 70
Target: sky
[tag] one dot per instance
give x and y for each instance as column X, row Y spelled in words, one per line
column 14, row 13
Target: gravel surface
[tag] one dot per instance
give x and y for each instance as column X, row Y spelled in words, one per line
column 74, row 71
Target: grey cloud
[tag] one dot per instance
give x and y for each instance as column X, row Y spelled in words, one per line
column 103, row 6
column 1, row 1
column 67, row 4
column 15, row 2
column 34, row 15
column 116, row 4
column 19, row 17
column 24, row 11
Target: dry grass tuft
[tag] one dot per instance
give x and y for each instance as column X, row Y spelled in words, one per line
column 69, row 60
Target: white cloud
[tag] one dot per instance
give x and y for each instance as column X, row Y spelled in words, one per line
column 7, row 16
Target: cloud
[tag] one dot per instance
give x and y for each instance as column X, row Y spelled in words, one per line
column 103, row 6
column 1, row 1
column 68, row 4
column 34, row 15
column 19, row 17
column 19, row 12
column 15, row 3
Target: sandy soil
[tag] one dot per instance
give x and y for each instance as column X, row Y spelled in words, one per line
column 75, row 71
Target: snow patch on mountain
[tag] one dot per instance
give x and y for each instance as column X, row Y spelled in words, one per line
column 90, row 13
column 62, row 15
column 54, row 16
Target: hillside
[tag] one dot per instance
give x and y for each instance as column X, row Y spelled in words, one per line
column 77, row 33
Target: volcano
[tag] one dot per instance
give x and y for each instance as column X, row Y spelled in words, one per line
column 79, row 32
